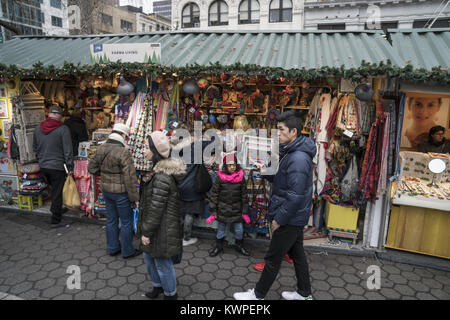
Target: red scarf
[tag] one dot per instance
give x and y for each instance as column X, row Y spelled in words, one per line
column 49, row 125
column 235, row 177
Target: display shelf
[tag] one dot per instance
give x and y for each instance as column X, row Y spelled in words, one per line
column 419, row 201
column 297, row 107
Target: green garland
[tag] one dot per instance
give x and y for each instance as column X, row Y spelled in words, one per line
column 39, row 70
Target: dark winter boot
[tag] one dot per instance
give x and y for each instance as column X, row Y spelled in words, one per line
column 240, row 248
column 217, row 249
column 155, row 293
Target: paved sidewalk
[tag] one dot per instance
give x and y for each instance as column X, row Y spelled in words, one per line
column 34, row 259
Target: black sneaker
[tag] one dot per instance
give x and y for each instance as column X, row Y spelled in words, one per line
column 155, row 293
column 175, row 297
column 136, row 253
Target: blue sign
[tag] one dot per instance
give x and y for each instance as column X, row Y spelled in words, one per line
column 98, row 48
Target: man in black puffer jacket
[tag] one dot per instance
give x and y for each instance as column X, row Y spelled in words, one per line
column 289, row 209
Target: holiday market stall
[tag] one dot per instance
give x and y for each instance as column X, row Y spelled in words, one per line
column 348, row 103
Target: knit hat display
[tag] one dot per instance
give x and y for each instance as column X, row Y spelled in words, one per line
column 120, row 127
column 161, row 143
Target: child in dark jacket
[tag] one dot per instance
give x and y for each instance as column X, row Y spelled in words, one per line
column 228, row 203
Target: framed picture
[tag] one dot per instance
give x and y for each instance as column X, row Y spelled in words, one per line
column 4, row 109
column 7, row 165
column 256, row 149
column 10, row 184
column 422, row 112
column 6, row 126
column 3, row 91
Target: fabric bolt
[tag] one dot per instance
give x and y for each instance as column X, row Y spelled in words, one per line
column 384, row 160
column 322, row 141
column 83, row 181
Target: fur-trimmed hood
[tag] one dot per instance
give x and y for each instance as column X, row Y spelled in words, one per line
column 171, row 167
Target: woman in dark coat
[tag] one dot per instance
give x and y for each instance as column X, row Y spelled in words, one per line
column 228, row 203
column 160, row 228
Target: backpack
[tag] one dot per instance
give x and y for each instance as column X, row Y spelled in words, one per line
column 203, row 181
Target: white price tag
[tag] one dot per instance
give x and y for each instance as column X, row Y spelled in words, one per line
column 348, row 133
column 175, row 124
column 192, row 110
column 165, row 132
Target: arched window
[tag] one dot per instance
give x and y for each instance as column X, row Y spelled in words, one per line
column 249, row 12
column 190, row 16
column 280, row 11
column 218, row 13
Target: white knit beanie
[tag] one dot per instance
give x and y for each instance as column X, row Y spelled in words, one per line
column 161, row 143
column 120, row 127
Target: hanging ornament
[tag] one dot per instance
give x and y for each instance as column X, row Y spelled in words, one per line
column 212, row 119
column 213, row 92
column 238, row 85
column 202, row 83
column 224, row 77
column 124, row 88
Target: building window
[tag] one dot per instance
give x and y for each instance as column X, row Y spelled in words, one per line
column 56, row 22
column 384, row 26
column 249, row 12
column 106, row 19
column 439, row 23
column 55, row 4
column 337, row 26
column 126, row 25
column 43, row 18
column 143, row 27
column 150, row 28
column 218, row 13
column 280, row 11
column 190, row 16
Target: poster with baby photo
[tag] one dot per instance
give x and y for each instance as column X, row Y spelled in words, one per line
column 4, row 109
column 423, row 111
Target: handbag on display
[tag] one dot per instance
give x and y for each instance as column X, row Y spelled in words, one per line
column 350, row 183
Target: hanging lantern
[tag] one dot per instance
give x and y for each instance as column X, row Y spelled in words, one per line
column 124, row 88
column 191, row 87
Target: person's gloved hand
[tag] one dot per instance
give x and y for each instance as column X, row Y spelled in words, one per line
column 246, row 218
column 211, row 219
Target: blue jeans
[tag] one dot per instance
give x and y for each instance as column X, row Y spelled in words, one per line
column 118, row 206
column 238, row 230
column 162, row 274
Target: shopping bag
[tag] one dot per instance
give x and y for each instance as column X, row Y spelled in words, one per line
column 71, row 198
column 135, row 219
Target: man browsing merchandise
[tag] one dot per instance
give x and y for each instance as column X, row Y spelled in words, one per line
column 289, row 209
column 53, row 147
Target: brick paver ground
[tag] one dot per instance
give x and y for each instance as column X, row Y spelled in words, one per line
column 34, row 259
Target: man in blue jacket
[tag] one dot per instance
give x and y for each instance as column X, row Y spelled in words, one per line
column 289, row 209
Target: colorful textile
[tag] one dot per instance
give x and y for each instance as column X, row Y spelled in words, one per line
column 83, row 181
